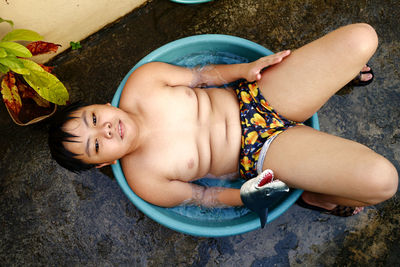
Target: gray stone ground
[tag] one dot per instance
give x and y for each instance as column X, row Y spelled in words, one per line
column 53, row 217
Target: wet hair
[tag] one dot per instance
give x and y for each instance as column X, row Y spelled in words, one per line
column 57, row 137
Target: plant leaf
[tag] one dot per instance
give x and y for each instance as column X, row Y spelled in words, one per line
column 27, row 92
column 41, row 47
column 16, row 49
column 3, row 52
column 49, row 69
column 45, row 84
column 8, row 21
column 22, row 35
column 4, row 69
column 48, row 87
column 75, row 45
column 30, row 65
column 14, row 64
column 10, row 93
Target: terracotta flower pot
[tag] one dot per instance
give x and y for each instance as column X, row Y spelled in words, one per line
column 31, row 113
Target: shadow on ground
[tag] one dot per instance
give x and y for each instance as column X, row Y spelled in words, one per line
column 52, row 217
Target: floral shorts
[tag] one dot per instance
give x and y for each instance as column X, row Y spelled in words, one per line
column 260, row 125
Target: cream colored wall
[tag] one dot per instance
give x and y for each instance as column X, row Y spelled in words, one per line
column 62, row 21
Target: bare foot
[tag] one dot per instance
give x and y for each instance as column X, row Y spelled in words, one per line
column 366, row 76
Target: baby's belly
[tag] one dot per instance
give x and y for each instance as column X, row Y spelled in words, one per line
column 225, row 150
column 213, row 154
column 224, row 132
column 206, row 142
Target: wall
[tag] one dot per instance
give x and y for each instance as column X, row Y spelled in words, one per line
column 62, row 21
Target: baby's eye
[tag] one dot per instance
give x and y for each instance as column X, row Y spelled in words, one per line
column 96, row 145
column 94, row 119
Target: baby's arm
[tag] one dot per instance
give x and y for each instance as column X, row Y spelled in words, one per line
column 156, row 74
column 170, row 193
column 214, row 196
column 223, row 74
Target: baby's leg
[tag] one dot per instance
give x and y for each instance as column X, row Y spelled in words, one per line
column 299, row 85
column 342, row 171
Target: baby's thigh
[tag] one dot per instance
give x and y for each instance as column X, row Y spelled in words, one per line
column 318, row 162
column 299, row 85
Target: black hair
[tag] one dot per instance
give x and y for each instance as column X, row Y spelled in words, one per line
column 57, row 136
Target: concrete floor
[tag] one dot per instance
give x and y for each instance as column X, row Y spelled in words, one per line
column 53, row 217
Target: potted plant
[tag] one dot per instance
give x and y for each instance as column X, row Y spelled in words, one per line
column 30, row 92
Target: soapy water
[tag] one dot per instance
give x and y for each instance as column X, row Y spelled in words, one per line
column 201, row 59
column 213, row 214
column 207, row 58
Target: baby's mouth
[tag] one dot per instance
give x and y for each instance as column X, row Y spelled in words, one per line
column 120, row 130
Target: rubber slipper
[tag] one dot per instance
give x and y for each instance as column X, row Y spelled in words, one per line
column 357, row 80
column 341, row 211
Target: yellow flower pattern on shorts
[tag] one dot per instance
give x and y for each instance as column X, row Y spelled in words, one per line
column 259, row 122
column 246, row 98
column 251, row 138
column 246, row 163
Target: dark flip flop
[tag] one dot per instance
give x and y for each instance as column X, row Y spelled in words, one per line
column 341, row 211
column 357, row 80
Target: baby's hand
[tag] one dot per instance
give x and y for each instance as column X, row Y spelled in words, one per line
column 256, row 67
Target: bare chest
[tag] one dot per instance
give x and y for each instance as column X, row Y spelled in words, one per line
column 189, row 134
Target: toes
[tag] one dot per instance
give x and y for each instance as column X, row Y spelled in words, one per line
column 366, row 77
column 366, row 68
column 358, row 210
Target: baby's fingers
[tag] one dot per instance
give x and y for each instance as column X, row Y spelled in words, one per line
column 283, row 54
column 273, row 59
column 276, row 58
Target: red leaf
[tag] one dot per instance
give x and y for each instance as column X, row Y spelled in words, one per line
column 10, row 93
column 47, row 68
column 41, row 47
column 9, row 79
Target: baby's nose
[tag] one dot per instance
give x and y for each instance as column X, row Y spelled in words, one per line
column 107, row 129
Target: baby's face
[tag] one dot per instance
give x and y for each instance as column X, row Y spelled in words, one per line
column 104, row 134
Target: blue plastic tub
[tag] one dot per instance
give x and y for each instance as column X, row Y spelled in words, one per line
column 168, row 217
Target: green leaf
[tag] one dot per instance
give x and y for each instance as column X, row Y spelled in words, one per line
column 14, row 64
column 3, row 69
column 75, row 45
column 22, row 35
column 31, row 65
column 16, row 49
column 48, row 86
column 8, row 21
column 3, row 52
column 45, row 84
column 11, row 62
